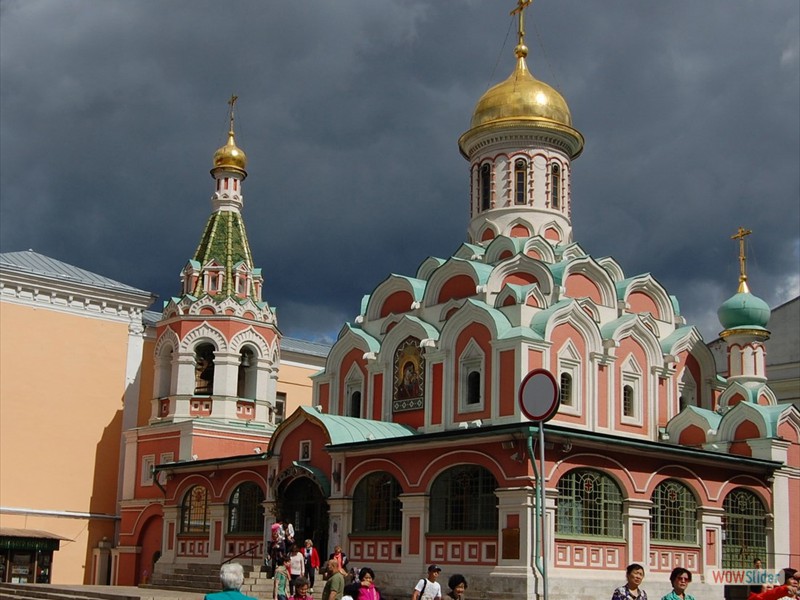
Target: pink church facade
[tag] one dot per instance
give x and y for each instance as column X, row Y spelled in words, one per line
column 416, row 451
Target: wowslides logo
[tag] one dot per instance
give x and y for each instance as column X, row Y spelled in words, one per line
column 743, row 577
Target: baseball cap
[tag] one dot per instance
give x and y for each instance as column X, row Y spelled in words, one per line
column 434, row 568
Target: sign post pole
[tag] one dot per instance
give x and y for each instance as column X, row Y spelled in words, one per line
column 539, row 401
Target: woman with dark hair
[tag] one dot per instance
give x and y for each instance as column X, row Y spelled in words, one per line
column 631, row 590
column 364, row 588
column 458, row 585
column 680, row 579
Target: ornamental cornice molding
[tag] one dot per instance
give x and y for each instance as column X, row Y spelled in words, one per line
column 29, row 289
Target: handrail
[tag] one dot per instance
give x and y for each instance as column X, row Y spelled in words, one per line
column 250, row 549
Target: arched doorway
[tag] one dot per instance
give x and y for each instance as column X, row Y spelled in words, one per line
column 302, row 503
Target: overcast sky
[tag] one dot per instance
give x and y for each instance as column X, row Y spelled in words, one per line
column 350, row 111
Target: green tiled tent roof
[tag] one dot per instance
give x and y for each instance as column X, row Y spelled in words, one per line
column 224, row 241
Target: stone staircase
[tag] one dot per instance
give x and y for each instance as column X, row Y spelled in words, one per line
column 169, row 582
column 36, row 591
column 205, row 578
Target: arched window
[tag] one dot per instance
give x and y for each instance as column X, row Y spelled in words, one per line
column 744, row 524
column 565, row 389
column 245, row 509
column 463, row 499
column 471, row 381
column 555, row 186
column 589, row 503
column 520, row 181
column 246, row 383
column 164, row 372
column 628, row 406
column 355, row 404
column 204, row 369
column 376, row 504
column 673, row 514
column 194, row 511
column 485, row 186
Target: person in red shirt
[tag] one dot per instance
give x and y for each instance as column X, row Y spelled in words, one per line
column 787, row 590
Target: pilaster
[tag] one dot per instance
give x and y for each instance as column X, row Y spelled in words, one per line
column 415, row 512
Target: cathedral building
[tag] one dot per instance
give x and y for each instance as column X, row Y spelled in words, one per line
column 415, row 450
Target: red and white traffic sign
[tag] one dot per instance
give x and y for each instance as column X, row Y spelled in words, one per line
column 538, row 395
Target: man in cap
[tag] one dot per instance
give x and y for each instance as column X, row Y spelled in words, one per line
column 428, row 588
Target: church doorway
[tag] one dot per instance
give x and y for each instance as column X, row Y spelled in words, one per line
column 302, row 504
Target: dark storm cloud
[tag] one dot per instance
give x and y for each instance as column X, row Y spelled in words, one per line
column 350, row 112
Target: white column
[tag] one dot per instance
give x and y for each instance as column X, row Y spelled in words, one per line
column 710, row 538
column 226, row 373
column 130, row 399
column 515, row 505
column 216, row 514
column 338, row 527
column 636, row 515
column 416, row 508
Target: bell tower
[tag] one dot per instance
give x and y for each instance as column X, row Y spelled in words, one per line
column 218, row 342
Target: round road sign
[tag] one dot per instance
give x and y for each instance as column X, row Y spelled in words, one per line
column 538, row 395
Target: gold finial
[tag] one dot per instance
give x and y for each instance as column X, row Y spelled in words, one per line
column 231, row 102
column 521, row 50
column 740, row 235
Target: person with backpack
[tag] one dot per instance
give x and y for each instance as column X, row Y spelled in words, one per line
column 428, row 588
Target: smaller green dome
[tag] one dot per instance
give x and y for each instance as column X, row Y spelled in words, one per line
column 743, row 310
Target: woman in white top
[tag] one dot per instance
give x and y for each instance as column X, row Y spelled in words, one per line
column 297, row 566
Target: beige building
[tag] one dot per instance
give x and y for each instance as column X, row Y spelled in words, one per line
column 76, row 371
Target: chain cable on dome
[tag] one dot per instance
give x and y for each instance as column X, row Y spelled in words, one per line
column 549, row 65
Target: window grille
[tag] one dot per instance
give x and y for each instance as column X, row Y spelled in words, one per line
column 555, row 177
column 463, row 499
column 627, row 401
column 565, row 389
column 589, row 503
column 376, row 504
column 245, row 510
column 744, row 524
column 485, row 187
column 194, row 511
column 521, row 180
column 673, row 515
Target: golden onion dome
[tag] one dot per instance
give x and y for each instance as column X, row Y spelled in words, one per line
column 230, row 156
column 521, row 96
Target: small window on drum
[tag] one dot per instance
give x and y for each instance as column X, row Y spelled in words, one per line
column 555, row 181
column 520, row 181
column 485, row 187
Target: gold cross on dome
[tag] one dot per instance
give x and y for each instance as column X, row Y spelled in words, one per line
column 231, row 102
column 520, row 11
column 740, row 235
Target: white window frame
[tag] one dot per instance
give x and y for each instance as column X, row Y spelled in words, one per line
column 148, row 464
column 569, row 362
column 354, row 382
column 631, row 374
column 304, row 451
column 472, row 359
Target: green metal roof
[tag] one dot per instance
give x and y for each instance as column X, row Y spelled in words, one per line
column 350, row 430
